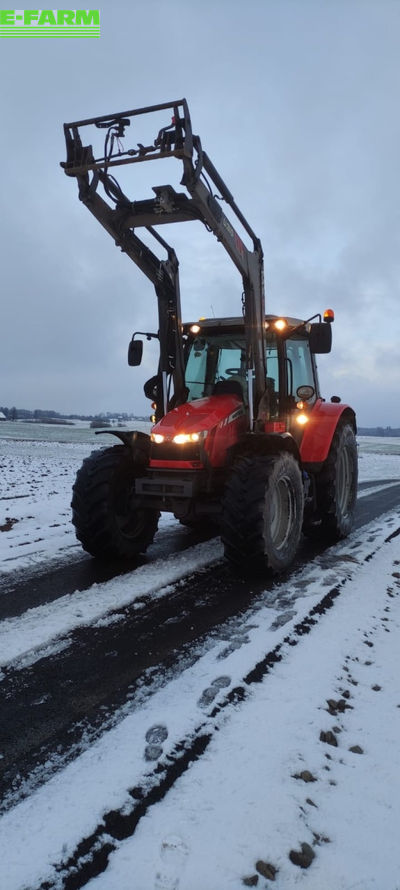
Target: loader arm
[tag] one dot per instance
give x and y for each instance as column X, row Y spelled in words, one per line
column 121, row 217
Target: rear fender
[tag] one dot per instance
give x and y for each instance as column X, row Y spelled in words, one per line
column 320, row 430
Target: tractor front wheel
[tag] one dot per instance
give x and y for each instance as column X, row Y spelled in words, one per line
column 109, row 522
column 263, row 513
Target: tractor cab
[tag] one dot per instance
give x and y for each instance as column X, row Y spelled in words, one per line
column 216, row 365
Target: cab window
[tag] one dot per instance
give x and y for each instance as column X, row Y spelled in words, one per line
column 212, row 360
column 219, row 357
column 299, row 365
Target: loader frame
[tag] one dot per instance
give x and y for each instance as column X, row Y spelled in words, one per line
column 121, row 217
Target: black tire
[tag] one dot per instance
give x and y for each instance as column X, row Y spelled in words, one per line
column 336, row 487
column 107, row 522
column 262, row 513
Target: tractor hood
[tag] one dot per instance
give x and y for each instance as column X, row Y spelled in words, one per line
column 200, row 416
column 198, row 433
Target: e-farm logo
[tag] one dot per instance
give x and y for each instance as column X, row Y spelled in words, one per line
column 49, row 23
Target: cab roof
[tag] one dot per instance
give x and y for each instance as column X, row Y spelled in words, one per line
column 237, row 322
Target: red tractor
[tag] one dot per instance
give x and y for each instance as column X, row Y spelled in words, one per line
column 242, row 438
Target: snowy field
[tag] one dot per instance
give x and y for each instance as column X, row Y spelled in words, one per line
column 38, row 464
column 299, row 782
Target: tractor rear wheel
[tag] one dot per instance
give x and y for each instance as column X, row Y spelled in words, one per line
column 336, row 486
column 262, row 513
column 108, row 521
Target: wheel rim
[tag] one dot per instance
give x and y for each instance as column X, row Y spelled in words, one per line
column 344, row 479
column 281, row 512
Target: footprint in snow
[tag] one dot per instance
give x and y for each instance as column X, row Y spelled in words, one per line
column 235, row 643
column 172, row 856
column 155, row 736
column 282, row 619
column 209, row 694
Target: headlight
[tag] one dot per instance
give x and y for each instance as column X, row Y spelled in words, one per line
column 183, row 438
column 179, row 439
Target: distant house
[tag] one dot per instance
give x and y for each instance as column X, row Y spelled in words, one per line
column 2, row 416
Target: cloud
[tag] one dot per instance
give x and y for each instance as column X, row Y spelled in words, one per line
column 296, row 104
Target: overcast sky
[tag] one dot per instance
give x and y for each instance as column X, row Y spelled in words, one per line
column 296, row 102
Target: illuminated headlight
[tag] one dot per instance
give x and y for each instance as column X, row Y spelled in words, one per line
column 157, row 438
column 195, row 329
column 280, row 324
column 184, row 438
column 301, row 419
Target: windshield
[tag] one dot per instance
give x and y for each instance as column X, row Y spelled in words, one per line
column 222, row 357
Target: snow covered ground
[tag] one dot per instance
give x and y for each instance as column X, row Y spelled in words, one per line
column 299, row 782
column 38, row 464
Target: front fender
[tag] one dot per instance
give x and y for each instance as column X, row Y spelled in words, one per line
column 137, row 442
column 264, row 444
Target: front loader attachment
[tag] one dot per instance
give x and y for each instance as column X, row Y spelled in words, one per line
column 121, row 217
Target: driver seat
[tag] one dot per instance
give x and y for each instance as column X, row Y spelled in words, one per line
column 228, row 387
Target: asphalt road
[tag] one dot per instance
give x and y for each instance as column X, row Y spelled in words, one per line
column 27, row 589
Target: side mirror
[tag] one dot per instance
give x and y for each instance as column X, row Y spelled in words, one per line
column 135, row 352
column 320, row 338
column 305, row 392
